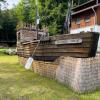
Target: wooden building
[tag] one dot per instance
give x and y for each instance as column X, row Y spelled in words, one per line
column 28, row 33
column 86, row 18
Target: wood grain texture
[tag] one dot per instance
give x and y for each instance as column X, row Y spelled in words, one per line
column 48, row 49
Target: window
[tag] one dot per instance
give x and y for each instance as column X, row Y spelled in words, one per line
column 87, row 24
column 78, row 25
column 87, row 18
column 78, row 20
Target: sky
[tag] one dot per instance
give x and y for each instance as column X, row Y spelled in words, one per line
column 10, row 3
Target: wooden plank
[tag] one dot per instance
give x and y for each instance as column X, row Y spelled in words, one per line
column 48, row 49
column 87, row 45
column 64, row 54
column 77, row 50
column 72, row 36
column 68, row 41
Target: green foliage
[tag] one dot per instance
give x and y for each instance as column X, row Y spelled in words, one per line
column 8, row 25
column 52, row 15
column 82, row 1
column 2, row 0
column 16, row 83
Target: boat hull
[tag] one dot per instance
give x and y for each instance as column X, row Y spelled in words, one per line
column 83, row 45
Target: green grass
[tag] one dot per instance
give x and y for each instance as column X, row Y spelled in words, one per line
column 18, row 84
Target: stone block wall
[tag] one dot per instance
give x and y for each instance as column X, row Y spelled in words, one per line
column 22, row 60
column 80, row 74
column 47, row 69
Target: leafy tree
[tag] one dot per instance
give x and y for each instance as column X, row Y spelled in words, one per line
column 1, row 1
column 52, row 15
column 9, row 22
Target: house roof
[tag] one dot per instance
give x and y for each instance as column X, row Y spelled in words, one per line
column 86, row 8
column 83, row 4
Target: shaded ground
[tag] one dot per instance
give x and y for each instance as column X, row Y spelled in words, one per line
column 18, row 84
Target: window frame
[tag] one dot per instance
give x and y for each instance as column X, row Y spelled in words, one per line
column 78, row 21
column 87, row 19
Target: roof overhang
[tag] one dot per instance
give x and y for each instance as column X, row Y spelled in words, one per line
column 83, row 4
column 74, row 13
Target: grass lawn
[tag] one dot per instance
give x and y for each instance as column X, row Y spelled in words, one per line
column 18, row 84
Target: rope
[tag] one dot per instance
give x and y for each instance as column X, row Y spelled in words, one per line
column 37, row 45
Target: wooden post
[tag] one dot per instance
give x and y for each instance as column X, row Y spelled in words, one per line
column 97, row 2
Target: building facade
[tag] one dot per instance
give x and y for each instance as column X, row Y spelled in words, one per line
column 86, row 17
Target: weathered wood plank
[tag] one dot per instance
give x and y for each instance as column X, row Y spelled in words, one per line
column 48, row 49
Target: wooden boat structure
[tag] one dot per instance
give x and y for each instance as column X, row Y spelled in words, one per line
column 83, row 45
column 48, row 48
column 42, row 47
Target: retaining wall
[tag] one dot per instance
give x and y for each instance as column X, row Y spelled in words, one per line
column 81, row 74
column 47, row 69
